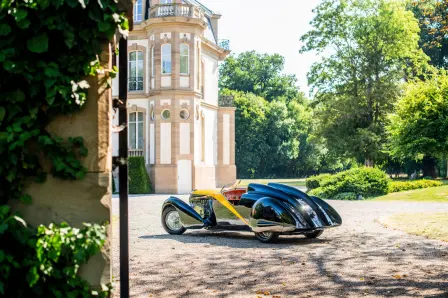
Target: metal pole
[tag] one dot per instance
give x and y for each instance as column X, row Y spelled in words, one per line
column 123, row 167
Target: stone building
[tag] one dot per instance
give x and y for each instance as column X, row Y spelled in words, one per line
column 174, row 120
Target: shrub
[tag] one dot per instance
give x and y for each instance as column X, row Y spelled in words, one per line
column 346, row 196
column 314, row 181
column 396, row 186
column 367, row 182
column 139, row 182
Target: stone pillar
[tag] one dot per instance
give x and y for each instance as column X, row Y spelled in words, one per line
column 89, row 199
column 226, row 169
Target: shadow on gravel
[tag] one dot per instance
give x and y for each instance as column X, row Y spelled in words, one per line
column 236, row 240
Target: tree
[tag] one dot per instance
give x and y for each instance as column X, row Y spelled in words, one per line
column 260, row 74
column 368, row 48
column 419, row 127
column 433, row 20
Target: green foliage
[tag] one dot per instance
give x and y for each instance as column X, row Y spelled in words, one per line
column 396, row 186
column 346, row 196
column 367, row 182
column 316, row 181
column 419, row 127
column 45, row 262
column 260, row 74
column 368, row 48
column 139, row 182
column 47, row 48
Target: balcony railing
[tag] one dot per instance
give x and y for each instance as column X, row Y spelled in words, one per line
column 135, row 84
column 135, row 152
column 175, row 10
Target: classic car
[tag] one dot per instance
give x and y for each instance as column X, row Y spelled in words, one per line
column 267, row 210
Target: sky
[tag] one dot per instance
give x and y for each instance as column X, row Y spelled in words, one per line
column 268, row 26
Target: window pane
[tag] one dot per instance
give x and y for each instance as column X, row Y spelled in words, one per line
column 131, row 117
column 184, row 49
column 132, row 135
column 140, row 135
column 140, row 117
column 166, row 58
column 184, row 65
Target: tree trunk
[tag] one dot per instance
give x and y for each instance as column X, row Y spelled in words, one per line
column 429, row 167
column 369, row 163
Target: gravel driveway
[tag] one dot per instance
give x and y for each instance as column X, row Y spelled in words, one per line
column 358, row 259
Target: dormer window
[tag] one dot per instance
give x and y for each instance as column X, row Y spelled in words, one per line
column 166, row 58
column 184, row 59
column 135, row 81
column 138, row 11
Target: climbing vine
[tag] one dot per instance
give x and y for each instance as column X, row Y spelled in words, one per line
column 47, row 48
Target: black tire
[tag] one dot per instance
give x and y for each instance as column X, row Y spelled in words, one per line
column 314, row 234
column 267, row 237
column 170, row 230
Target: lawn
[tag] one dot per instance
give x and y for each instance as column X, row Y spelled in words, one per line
column 430, row 225
column 291, row 182
column 431, row 194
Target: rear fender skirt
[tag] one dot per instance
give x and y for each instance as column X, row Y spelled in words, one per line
column 269, row 214
column 249, row 199
column 188, row 216
column 292, row 191
column 299, row 207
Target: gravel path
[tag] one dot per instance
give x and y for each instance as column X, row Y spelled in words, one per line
column 358, row 259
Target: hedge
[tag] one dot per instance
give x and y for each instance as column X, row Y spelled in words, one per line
column 314, row 181
column 139, row 182
column 367, row 182
column 397, row 186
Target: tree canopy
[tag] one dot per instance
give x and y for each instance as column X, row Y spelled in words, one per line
column 259, row 74
column 419, row 127
column 368, row 48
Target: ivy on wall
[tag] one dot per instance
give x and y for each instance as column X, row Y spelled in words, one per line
column 47, row 47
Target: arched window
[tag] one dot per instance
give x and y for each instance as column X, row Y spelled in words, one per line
column 136, row 133
column 184, row 59
column 138, row 11
column 153, row 63
column 166, row 58
column 135, row 81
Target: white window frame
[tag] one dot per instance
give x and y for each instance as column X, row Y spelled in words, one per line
column 137, row 131
column 138, row 16
column 135, row 63
column 188, row 58
column 166, row 58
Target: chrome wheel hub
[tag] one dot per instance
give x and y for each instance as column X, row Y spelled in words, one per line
column 172, row 221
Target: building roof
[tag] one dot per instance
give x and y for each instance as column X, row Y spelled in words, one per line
column 197, row 3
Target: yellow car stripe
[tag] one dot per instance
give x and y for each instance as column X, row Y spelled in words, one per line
column 221, row 199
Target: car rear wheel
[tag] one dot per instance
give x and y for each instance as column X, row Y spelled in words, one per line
column 171, row 221
column 314, row 234
column 267, row 237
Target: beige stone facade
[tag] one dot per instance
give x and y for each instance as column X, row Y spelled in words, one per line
column 186, row 139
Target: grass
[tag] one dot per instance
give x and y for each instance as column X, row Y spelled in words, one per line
column 290, row 182
column 431, row 194
column 430, row 225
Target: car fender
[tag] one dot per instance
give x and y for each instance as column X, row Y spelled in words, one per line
column 272, row 215
column 188, row 216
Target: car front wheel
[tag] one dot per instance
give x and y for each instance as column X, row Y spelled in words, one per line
column 314, row 234
column 267, row 237
column 171, row 221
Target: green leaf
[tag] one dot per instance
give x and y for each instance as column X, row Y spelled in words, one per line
column 26, row 199
column 38, row 44
column 4, row 29
column 19, row 14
